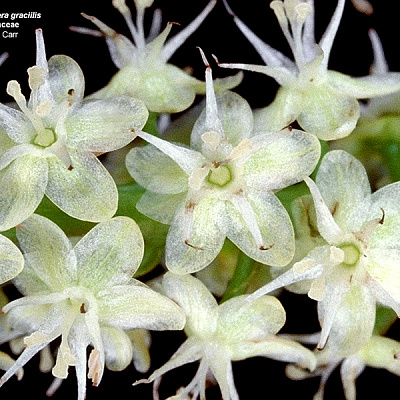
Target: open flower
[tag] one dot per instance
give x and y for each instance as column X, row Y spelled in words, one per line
column 144, row 71
column 322, row 101
column 223, row 185
column 358, row 263
column 379, row 352
column 86, row 296
column 218, row 335
column 49, row 146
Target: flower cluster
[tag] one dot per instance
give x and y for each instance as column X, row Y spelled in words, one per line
column 210, row 226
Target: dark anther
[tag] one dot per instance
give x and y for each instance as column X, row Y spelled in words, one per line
column 70, row 168
column 263, row 248
column 83, row 308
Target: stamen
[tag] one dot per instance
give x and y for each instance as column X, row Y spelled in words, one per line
column 380, row 65
column 41, row 60
column 329, row 36
column 188, row 225
column 95, row 367
column 3, row 57
column 211, row 139
column 197, row 177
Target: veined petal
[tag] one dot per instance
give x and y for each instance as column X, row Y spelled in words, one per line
column 11, row 260
column 199, row 305
column 236, row 118
column 66, row 80
column 160, row 207
column 23, row 184
column 105, row 125
column 240, row 320
column 156, row 171
column 196, row 235
column 137, row 306
column 85, row 191
column 109, row 254
column 276, row 348
column 283, row 161
column 364, row 87
column 17, row 126
column 347, row 175
column 327, row 114
column 272, row 223
column 48, row 252
column 384, row 255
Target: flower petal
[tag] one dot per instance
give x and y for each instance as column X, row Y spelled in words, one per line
column 117, row 348
column 196, row 235
column 328, row 115
column 344, row 186
column 110, row 253
column 155, row 171
column 11, row 260
column 84, row 191
column 365, row 87
column 137, row 306
column 283, row 161
column 16, row 125
column 199, row 305
column 105, row 125
column 276, row 348
column 160, row 207
column 23, row 184
column 48, row 252
column 65, row 79
column 240, row 320
column 236, row 118
column 273, row 224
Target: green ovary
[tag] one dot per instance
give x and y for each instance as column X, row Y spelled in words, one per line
column 351, row 254
column 45, row 138
column 220, row 176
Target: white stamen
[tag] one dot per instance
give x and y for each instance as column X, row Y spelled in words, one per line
column 327, row 39
column 197, row 177
column 241, row 150
column 211, row 139
column 41, row 60
column 380, row 65
column 174, row 43
column 270, row 56
column 155, row 27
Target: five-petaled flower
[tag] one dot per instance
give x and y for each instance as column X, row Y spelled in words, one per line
column 49, row 146
column 354, row 263
column 322, row 101
column 144, row 71
column 223, row 185
column 86, row 295
column 220, row 334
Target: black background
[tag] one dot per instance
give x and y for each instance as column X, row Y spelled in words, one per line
column 255, row 378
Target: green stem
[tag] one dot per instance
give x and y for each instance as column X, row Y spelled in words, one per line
column 241, row 276
column 391, row 155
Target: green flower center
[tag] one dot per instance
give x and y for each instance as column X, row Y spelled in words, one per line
column 220, row 176
column 351, row 254
column 45, row 138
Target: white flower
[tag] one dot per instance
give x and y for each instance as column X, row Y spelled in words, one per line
column 11, row 260
column 358, row 263
column 218, row 335
column 49, row 145
column 223, row 185
column 86, row 296
column 322, row 101
column 379, row 352
column 144, row 71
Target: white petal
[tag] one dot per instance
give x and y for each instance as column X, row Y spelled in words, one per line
column 23, row 184
column 85, row 191
column 196, row 235
column 11, row 260
column 110, row 253
column 199, row 305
